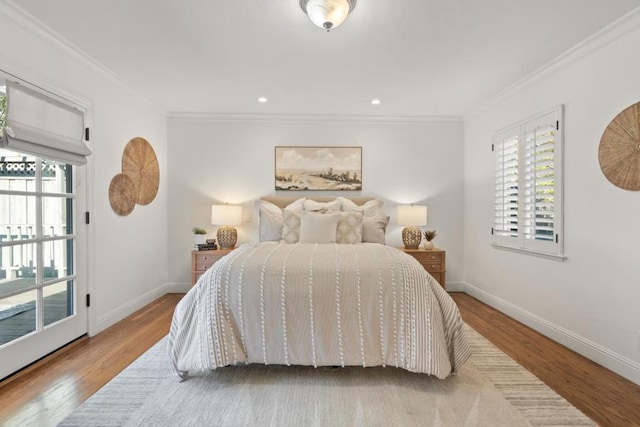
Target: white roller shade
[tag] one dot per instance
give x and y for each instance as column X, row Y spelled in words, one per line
column 44, row 127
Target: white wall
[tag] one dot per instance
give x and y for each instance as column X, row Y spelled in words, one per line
column 232, row 160
column 127, row 259
column 590, row 301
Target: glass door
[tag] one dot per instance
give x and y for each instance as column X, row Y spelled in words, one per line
column 41, row 294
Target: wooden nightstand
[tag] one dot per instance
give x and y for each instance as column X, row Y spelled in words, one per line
column 202, row 260
column 434, row 261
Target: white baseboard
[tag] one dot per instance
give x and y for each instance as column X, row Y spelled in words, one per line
column 114, row 316
column 456, row 287
column 595, row 352
column 178, row 288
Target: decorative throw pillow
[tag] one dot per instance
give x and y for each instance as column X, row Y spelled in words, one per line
column 349, row 229
column 318, row 228
column 313, row 206
column 374, row 229
column 270, row 221
column 291, row 226
column 298, row 205
column 370, row 208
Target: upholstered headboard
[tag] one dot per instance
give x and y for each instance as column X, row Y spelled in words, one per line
column 283, row 201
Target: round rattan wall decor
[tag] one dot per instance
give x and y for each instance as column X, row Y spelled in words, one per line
column 122, row 194
column 619, row 151
column 139, row 162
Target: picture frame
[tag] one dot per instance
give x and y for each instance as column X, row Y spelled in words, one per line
column 318, row 168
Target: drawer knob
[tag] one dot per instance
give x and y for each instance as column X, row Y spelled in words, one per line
column 204, row 257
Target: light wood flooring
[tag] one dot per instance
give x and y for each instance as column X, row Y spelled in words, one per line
column 44, row 393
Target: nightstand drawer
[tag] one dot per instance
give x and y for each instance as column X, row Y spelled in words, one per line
column 431, row 267
column 204, row 261
column 432, row 260
column 201, row 261
column 428, row 258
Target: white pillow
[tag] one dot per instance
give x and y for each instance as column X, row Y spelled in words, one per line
column 318, row 228
column 349, row 230
column 370, row 208
column 313, row 206
column 374, row 229
column 270, row 221
column 298, row 205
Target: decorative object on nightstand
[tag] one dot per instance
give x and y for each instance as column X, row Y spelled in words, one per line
column 226, row 216
column 429, row 235
column 199, row 236
column 434, row 261
column 202, row 260
column 412, row 216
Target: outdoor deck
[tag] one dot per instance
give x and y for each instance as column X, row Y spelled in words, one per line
column 13, row 326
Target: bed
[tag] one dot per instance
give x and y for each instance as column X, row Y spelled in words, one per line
column 316, row 300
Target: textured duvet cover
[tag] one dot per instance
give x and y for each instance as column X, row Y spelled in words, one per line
column 317, row 305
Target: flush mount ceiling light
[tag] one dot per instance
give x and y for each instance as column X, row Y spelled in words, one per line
column 327, row 14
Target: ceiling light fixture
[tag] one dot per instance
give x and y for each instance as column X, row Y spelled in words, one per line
column 327, row 14
column 262, row 99
column 375, row 101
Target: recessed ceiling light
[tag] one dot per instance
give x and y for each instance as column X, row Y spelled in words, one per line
column 262, row 99
column 375, row 101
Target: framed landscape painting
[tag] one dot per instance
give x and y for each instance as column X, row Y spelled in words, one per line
column 319, row 168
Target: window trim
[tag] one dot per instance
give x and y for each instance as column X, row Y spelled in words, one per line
column 519, row 243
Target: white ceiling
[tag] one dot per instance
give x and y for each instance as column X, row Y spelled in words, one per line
column 420, row 57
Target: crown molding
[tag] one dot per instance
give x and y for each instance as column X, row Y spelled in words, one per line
column 202, row 116
column 601, row 39
column 17, row 14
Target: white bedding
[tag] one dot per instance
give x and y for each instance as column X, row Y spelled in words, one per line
column 317, row 304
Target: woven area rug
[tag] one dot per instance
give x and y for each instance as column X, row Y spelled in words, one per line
column 490, row 390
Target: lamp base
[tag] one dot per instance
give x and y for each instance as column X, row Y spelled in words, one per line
column 411, row 237
column 227, row 237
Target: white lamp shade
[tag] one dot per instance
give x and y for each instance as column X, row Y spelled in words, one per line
column 412, row 215
column 226, row 215
column 333, row 11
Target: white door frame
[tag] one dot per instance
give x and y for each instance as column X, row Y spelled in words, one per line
column 14, row 353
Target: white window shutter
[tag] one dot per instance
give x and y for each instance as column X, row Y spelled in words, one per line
column 528, row 185
column 539, row 184
column 506, row 151
column 42, row 126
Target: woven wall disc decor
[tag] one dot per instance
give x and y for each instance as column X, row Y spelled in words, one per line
column 619, row 151
column 139, row 162
column 122, row 194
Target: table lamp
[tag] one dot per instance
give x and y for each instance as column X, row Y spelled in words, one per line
column 226, row 216
column 412, row 217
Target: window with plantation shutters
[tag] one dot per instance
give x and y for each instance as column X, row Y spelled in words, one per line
column 527, row 208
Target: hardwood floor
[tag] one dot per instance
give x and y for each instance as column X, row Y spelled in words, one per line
column 44, row 393
column 607, row 398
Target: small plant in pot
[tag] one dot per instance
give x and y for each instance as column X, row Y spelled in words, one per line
column 199, row 236
column 429, row 235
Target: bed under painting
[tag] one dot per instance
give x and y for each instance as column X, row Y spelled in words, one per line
column 320, row 288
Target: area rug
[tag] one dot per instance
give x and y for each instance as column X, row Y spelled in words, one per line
column 490, row 390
